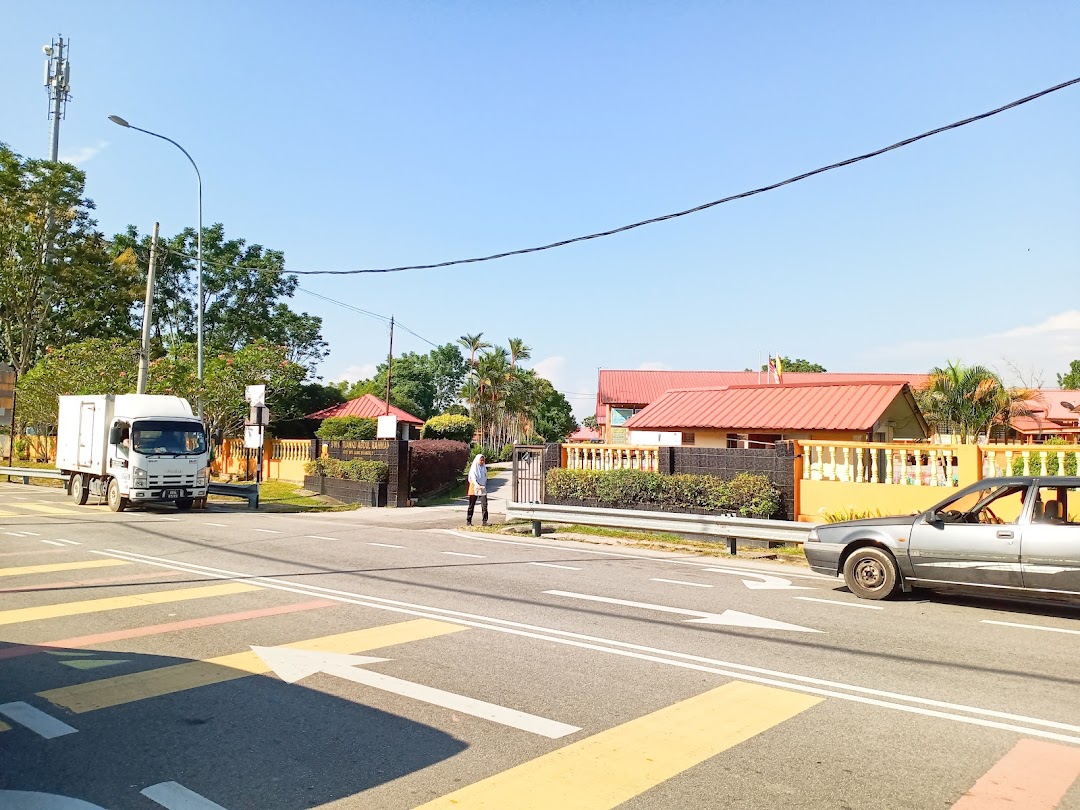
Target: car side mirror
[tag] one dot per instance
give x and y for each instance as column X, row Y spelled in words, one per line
column 935, row 518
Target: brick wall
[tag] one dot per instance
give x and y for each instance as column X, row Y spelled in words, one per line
column 394, row 453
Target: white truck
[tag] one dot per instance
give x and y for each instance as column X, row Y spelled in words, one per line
column 131, row 449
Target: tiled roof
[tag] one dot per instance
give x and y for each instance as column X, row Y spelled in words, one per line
column 367, row 405
column 833, row 406
column 642, row 387
column 1034, row 425
column 1048, row 404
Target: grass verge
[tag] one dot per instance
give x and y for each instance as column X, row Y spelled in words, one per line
column 37, row 465
column 283, row 496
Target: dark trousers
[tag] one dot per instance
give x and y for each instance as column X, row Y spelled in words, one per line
column 472, row 508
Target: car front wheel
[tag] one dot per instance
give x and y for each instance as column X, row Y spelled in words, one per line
column 871, row 573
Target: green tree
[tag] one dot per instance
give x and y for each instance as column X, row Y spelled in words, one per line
column 970, row 400
column 474, row 343
column 1071, row 379
column 796, row 365
column 58, row 283
column 422, row 384
column 245, row 289
column 518, row 351
column 590, row 422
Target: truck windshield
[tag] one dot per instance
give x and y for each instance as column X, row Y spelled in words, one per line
column 160, row 437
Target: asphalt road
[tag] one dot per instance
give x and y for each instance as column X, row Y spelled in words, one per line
column 497, row 673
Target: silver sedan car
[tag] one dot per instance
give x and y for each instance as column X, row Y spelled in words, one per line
column 1017, row 535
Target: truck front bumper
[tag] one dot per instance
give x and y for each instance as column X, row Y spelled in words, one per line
column 167, row 493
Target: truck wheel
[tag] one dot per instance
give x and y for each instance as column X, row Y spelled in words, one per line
column 79, row 492
column 871, row 573
column 117, row 503
column 184, row 504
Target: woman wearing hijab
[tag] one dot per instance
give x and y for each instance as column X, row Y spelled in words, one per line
column 477, row 489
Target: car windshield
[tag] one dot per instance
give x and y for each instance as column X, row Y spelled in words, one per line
column 155, row 437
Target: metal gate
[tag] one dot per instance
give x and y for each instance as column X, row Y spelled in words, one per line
column 527, row 474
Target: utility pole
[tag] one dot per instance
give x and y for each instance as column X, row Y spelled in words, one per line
column 389, row 364
column 58, row 82
column 148, row 316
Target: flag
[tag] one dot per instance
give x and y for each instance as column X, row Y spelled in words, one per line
column 772, row 368
column 779, row 369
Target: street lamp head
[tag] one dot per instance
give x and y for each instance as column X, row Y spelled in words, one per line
column 116, row 119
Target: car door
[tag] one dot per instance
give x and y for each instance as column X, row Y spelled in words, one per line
column 973, row 540
column 1050, row 550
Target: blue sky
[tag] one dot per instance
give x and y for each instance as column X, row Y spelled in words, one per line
column 360, row 135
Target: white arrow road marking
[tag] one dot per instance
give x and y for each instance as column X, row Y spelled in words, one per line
column 28, row 800
column 292, row 665
column 36, row 720
column 768, row 582
column 174, row 796
column 731, row 618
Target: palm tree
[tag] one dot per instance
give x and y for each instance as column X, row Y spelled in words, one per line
column 474, row 344
column 971, row 399
column 518, row 351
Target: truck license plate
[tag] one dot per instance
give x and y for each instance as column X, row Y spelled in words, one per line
column 173, row 493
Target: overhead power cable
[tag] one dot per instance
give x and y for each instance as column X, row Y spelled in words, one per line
column 705, row 206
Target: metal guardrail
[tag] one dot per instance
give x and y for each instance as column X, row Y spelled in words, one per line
column 731, row 529
column 26, row 473
column 249, row 492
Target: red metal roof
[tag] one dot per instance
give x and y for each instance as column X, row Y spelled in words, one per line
column 367, row 405
column 854, row 406
column 584, row 434
column 642, row 387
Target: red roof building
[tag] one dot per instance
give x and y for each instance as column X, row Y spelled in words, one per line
column 585, row 434
column 741, row 415
column 1050, row 418
column 622, row 393
column 368, row 405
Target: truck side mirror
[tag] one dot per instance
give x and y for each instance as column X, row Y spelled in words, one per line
column 116, row 434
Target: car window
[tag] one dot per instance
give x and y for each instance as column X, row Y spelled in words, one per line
column 995, row 504
column 1057, row 506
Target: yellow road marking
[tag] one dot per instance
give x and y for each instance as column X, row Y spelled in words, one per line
column 117, row 602
column 51, row 510
column 88, row 697
column 609, row 768
column 70, row 566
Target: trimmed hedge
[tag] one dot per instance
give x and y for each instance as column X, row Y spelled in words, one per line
column 348, row 428
column 747, row 494
column 374, row 472
column 434, row 464
column 449, row 426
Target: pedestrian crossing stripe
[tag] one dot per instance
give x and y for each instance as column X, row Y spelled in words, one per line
column 123, row 689
column 20, row 615
column 607, row 769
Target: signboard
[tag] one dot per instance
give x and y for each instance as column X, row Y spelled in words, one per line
column 7, row 389
column 260, row 415
column 618, row 435
column 253, row 437
column 387, row 428
column 255, row 394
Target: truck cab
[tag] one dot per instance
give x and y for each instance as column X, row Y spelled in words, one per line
column 132, row 448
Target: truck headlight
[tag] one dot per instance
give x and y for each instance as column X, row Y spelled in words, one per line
column 813, row 536
column 200, row 478
column 138, row 477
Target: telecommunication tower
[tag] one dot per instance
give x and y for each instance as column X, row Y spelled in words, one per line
column 58, row 83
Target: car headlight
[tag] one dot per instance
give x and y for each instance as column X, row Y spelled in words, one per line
column 813, row 536
column 138, row 477
column 200, row 478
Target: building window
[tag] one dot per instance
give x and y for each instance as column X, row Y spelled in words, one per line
column 687, row 438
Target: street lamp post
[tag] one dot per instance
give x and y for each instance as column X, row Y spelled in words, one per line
column 116, row 119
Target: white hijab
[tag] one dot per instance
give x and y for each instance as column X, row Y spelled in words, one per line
column 478, row 472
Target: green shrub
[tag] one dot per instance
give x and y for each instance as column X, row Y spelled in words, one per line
column 434, row 464
column 747, row 494
column 375, row 472
column 507, row 453
column 348, row 428
column 449, row 426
